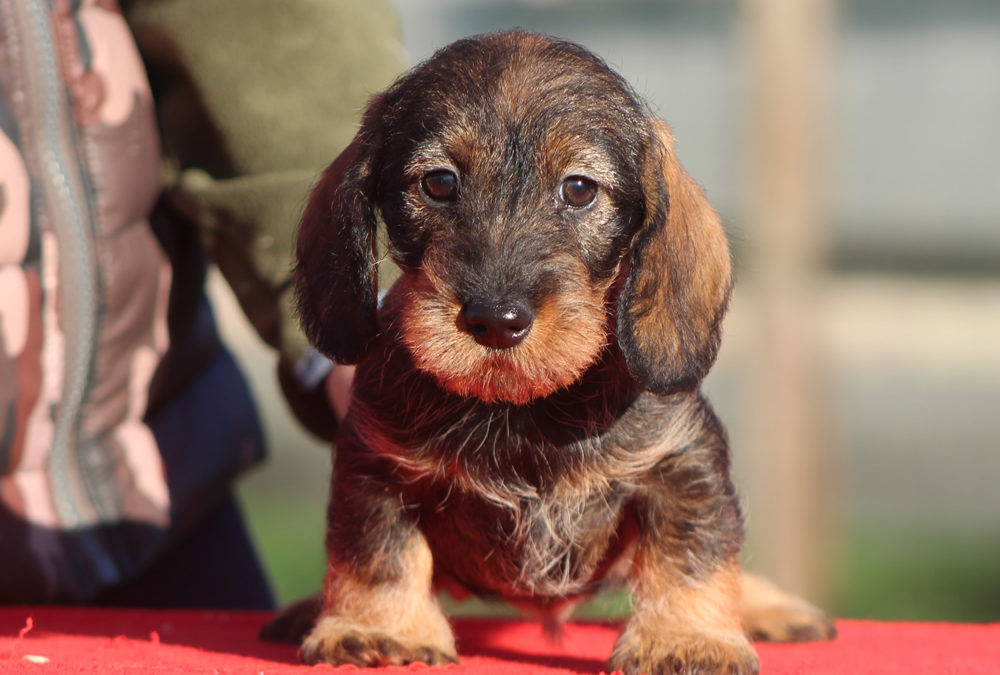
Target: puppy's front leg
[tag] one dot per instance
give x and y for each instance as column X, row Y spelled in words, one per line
column 683, row 625
column 686, row 574
column 378, row 604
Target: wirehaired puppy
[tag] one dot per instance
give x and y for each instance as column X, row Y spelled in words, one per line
column 526, row 418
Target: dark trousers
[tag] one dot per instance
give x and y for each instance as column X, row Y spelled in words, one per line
column 212, row 566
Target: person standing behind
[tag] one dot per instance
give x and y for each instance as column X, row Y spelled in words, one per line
column 123, row 419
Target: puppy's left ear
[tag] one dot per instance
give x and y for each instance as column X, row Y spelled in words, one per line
column 671, row 307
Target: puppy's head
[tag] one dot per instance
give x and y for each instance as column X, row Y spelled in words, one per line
column 535, row 209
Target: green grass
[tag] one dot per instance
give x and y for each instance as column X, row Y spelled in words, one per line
column 289, row 538
column 920, row 577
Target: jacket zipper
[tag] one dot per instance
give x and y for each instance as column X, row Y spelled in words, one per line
column 49, row 141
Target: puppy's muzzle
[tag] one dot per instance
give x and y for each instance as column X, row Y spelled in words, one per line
column 497, row 325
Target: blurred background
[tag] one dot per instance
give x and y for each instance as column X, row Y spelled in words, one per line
column 853, row 151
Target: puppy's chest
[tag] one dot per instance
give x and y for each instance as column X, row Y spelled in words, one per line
column 514, row 501
column 519, row 543
column 510, row 507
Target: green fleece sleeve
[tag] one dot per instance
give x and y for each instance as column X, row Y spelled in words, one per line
column 254, row 98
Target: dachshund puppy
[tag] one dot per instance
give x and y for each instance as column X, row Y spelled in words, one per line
column 526, row 420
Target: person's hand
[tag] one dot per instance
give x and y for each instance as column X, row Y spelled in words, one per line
column 338, row 389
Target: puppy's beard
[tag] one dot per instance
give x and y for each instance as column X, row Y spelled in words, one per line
column 567, row 335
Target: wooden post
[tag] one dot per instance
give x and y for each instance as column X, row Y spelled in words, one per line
column 791, row 531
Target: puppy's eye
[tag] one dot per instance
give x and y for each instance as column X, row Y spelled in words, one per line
column 440, row 185
column 577, row 191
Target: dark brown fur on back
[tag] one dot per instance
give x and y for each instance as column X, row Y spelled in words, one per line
column 534, row 469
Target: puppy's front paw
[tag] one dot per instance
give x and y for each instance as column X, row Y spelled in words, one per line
column 772, row 615
column 684, row 655
column 337, row 643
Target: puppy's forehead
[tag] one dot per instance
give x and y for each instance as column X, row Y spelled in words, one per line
column 475, row 95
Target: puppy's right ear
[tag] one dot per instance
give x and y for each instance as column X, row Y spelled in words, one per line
column 336, row 283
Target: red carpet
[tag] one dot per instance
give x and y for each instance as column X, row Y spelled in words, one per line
column 46, row 640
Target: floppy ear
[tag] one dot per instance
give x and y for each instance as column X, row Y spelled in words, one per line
column 671, row 307
column 336, row 282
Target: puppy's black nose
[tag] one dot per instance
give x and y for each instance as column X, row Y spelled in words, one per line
column 499, row 325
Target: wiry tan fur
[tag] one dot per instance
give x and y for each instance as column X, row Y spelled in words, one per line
column 567, row 335
column 383, row 624
column 684, row 626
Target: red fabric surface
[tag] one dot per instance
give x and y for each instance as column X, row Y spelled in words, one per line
column 107, row 641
